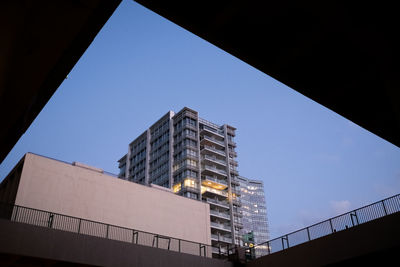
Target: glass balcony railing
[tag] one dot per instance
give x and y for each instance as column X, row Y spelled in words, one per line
column 221, row 238
column 236, row 202
column 222, row 143
column 220, row 152
column 238, row 214
column 236, row 191
column 225, row 239
column 205, row 189
column 220, row 181
column 214, row 169
column 218, row 202
column 239, row 224
column 222, row 162
column 221, row 226
column 220, row 214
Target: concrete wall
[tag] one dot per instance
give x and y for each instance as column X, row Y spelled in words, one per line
column 28, row 245
column 81, row 192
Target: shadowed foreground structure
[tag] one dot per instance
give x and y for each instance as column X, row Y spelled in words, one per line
column 374, row 243
column 343, row 55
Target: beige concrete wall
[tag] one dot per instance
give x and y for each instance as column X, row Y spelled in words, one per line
column 76, row 191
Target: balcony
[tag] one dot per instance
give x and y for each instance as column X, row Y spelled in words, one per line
column 223, row 204
column 214, row 170
column 233, row 162
column 235, row 182
column 219, row 250
column 221, row 226
column 214, row 183
column 238, row 214
column 212, row 132
column 220, row 214
column 234, row 171
column 206, row 189
column 214, row 159
column 213, row 179
column 213, row 150
column 236, row 192
column 208, row 139
column 238, row 224
column 232, row 143
column 225, row 239
column 232, row 152
column 221, row 238
column 214, row 237
column 230, row 131
column 237, row 202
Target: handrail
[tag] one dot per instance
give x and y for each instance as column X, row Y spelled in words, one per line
column 341, row 222
column 77, row 225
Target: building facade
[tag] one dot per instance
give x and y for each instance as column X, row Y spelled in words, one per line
column 196, row 159
column 254, row 212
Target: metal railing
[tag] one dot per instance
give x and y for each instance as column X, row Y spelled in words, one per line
column 62, row 222
column 342, row 222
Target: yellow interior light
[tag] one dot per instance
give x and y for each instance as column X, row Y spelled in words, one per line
column 176, row 188
column 203, row 189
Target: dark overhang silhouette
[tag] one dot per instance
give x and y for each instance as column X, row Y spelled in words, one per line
column 342, row 55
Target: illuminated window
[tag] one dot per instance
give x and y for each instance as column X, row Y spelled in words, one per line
column 190, row 183
column 176, row 188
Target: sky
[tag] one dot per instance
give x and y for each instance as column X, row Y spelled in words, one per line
column 314, row 163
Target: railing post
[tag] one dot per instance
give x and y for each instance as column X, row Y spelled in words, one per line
column 308, row 234
column 50, row 221
column 287, row 241
column 384, row 207
column 269, row 248
column 79, row 226
column 355, row 214
column 199, row 249
column 283, row 245
column 107, row 230
column 179, row 245
column 330, row 222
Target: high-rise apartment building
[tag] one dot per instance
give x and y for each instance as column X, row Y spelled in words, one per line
column 196, row 159
column 254, row 211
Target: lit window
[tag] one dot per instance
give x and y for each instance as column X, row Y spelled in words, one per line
column 176, row 188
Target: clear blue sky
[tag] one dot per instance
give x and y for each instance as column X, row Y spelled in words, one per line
column 314, row 163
